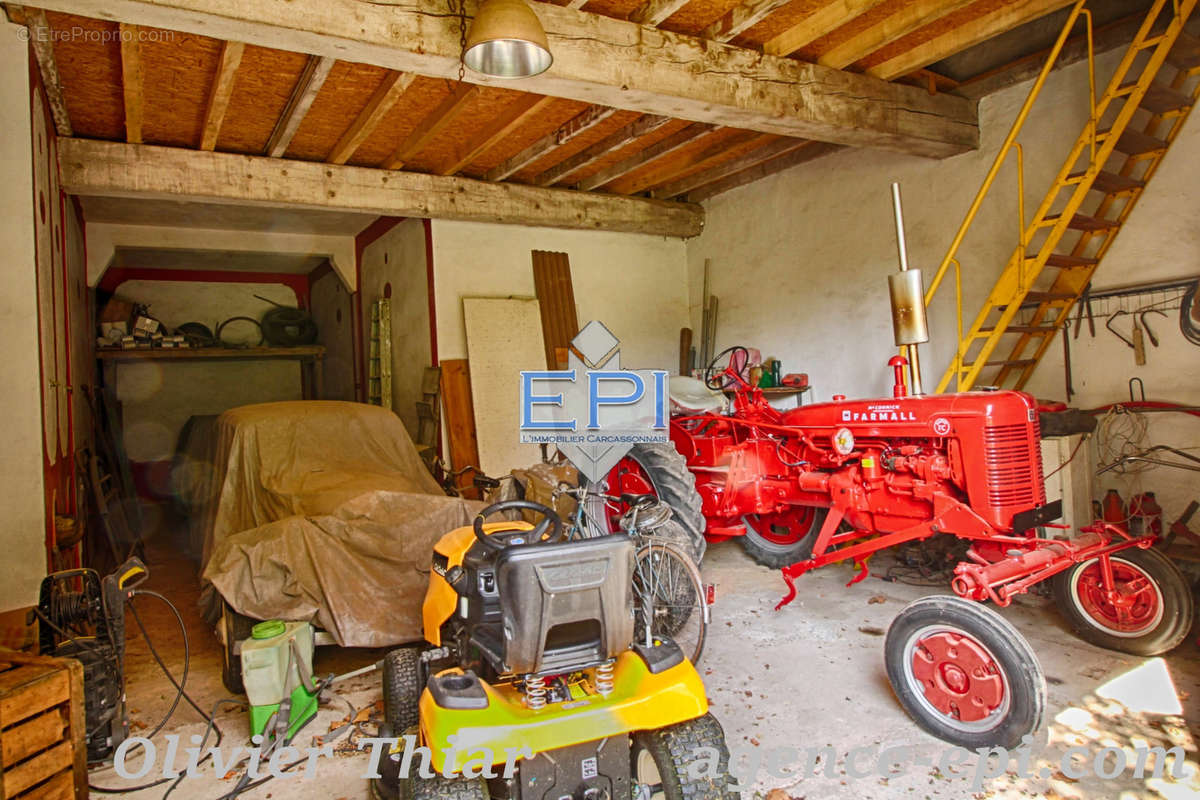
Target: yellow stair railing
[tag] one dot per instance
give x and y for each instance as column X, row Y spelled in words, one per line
column 1030, row 307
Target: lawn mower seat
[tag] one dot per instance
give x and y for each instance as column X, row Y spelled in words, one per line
column 564, row 606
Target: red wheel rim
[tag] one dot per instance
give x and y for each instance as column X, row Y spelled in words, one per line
column 783, row 527
column 1133, row 607
column 957, row 676
column 626, row 477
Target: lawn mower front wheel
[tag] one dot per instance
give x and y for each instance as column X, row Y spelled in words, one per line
column 402, row 687
column 964, row 674
column 1151, row 613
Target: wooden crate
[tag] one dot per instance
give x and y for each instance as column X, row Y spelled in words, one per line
column 43, row 754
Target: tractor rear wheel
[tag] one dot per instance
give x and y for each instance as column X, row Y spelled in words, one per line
column 662, row 762
column 776, row 540
column 964, row 674
column 657, row 469
column 402, row 687
column 1151, row 614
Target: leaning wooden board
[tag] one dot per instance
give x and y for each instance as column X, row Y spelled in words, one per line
column 460, row 419
column 43, row 754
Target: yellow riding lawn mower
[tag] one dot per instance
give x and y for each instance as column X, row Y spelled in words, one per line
column 531, row 686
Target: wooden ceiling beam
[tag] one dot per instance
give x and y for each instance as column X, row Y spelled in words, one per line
column 762, row 170
column 597, row 60
column 132, row 78
column 433, row 124
column 817, row 24
column 768, row 151
column 42, row 42
column 393, row 87
column 652, row 153
column 518, row 113
column 635, row 130
column 222, row 89
column 656, row 12
column 740, row 18
column 695, row 161
column 113, row 169
column 305, row 91
column 574, row 127
column 964, row 36
column 909, row 17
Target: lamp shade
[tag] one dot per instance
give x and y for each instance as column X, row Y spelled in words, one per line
column 506, row 40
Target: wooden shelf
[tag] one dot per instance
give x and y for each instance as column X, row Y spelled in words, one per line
column 307, row 352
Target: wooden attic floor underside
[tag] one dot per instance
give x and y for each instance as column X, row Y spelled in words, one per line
column 125, row 83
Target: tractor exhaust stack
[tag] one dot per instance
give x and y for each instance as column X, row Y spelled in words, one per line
column 909, row 324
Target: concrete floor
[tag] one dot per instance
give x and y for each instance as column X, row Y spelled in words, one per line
column 808, row 676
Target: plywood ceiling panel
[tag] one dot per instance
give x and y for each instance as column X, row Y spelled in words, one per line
column 606, row 128
column 946, row 23
column 421, row 97
column 179, row 69
column 89, row 67
column 630, row 149
column 264, row 83
column 545, row 123
column 486, row 105
column 344, row 95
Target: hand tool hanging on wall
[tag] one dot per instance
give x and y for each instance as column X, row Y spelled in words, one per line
column 1067, row 359
column 1149, row 333
column 1085, row 304
column 1109, row 324
column 685, row 349
column 1139, row 343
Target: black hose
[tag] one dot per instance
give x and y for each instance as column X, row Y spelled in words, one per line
column 252, row 320
column 1187, row 321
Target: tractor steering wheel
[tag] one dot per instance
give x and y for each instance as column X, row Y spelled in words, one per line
column 717, row 381
column 499, row 540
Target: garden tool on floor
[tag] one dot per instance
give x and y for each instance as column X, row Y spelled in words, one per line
column 277, row 673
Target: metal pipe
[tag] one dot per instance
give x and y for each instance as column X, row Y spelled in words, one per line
column 915, row 307
column 899, row 212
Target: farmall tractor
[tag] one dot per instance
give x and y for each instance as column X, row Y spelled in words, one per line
column 841, row 480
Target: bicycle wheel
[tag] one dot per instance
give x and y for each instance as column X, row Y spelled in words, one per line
column 669, row 598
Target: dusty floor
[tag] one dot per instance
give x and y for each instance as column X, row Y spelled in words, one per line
column 809, row 676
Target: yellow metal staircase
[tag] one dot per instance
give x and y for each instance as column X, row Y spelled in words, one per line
column 1130, row 128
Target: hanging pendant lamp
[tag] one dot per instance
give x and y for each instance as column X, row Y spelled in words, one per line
column 506, row 40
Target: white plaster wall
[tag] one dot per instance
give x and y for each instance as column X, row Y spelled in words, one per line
column 23, row 534
column 800, row 260
column 158, row 396
column 398, row 258
column 634, row 284
column 332, row 311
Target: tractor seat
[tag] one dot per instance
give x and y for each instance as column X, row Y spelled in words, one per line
column 564, row 607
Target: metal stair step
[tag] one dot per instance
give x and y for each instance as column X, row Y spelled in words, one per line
column 1186, row 52
column 1161, row 99
column 1063, row 261
column 1047, row 297
column 1020, row 362
column 1082, row 222
column 1110, row 182
column 1036, row 330
column 1135, row 143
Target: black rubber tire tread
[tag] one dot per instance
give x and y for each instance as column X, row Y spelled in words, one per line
column 442, row 788
column 675, row 485
column 675, row 747
column 236, row 627
column 1178, row 612
column 402, row 687
column 697, row 583
column 778, row 556
column 674, row 533
column 1027, row 685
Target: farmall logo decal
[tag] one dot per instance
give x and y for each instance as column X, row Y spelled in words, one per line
column 594, row 411
column 888, row 412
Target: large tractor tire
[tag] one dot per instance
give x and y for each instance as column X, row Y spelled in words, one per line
column 657, row 469
column 1153, row 615
column 964, row 674
column 777, row 540
column 661, row 762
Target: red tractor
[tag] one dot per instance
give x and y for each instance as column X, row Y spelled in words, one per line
column 840, row 480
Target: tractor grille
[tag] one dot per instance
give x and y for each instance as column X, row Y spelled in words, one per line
column 1013, row 466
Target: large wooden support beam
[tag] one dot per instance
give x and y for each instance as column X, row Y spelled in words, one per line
column 597, row 60
column 741, row 17
column 111, row 169
column 309, row 84
column 222, row 90
column 969, row 34
column 43, row 50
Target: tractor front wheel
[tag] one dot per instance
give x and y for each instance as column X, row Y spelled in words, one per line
column 1148, row 612
column 964, row 674
column 777, row 540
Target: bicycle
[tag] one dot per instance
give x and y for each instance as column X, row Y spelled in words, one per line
column 669, row 595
